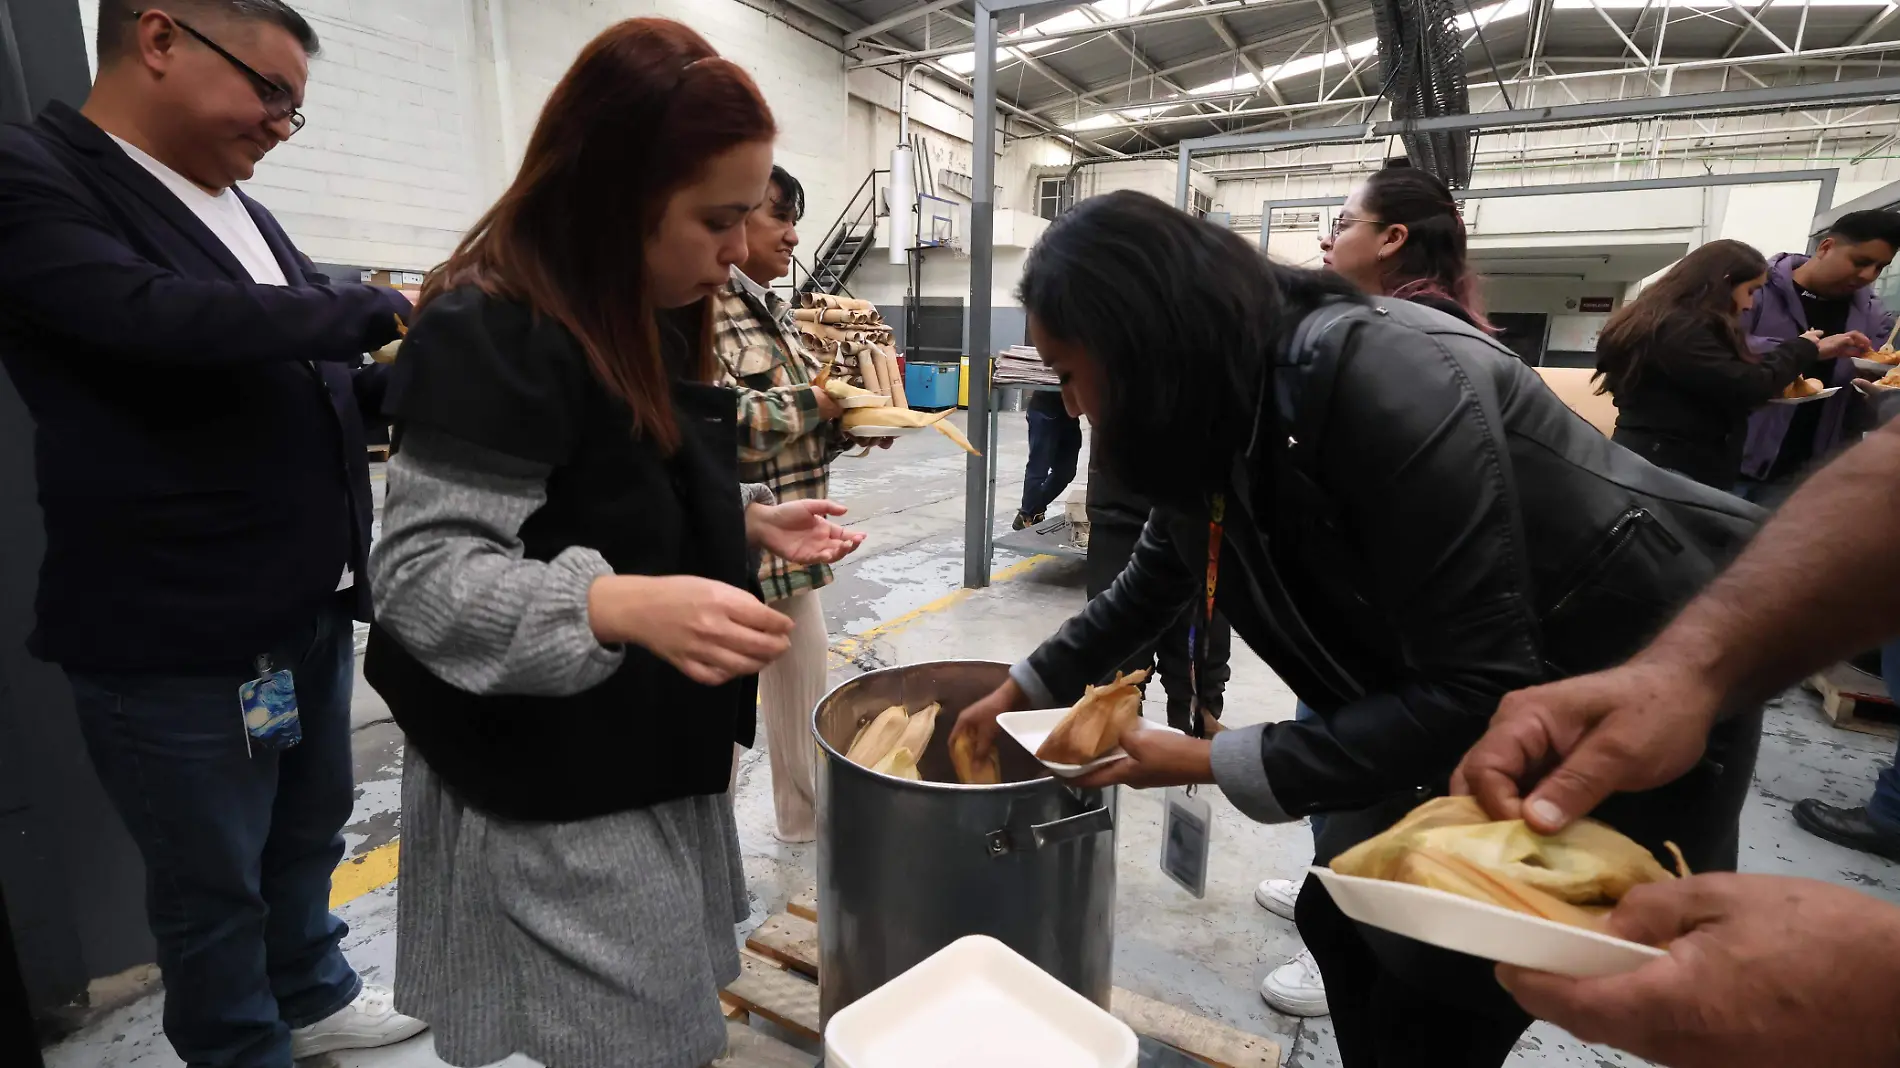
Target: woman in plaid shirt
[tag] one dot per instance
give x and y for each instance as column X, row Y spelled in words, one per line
column 789, row 434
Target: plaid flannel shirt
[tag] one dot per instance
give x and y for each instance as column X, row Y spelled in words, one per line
column 783, row 441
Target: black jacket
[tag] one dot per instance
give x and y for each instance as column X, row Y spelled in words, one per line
column 1419, row 527
column 199, row 437
column 1687, row 406
column 489, row 372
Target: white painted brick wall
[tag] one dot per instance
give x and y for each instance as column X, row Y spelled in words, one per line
column 403, row 148
column 803, row 79
column 386, row 174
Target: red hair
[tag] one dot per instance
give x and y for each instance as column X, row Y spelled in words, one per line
column 640, row 114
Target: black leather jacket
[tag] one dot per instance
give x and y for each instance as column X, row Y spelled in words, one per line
column 1419, row 527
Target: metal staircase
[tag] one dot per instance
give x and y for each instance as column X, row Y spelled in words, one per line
column 845, row 245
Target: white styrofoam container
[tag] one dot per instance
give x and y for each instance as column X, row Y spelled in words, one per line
column 1466, row 925
column 1032, row 727
column 977, row 1002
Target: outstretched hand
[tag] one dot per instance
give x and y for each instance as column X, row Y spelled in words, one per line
column 800, row 532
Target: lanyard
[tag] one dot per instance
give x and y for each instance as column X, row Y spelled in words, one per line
column 1204, row 619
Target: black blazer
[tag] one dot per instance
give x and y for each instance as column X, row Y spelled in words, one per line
column 199, row 437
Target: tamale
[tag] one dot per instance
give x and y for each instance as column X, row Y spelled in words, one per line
column 971, row 769
column 1095, row 724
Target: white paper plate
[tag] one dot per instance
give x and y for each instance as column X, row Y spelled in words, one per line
column 1031, row 729
column 869, row 431
column 1449, row 921
column 977, row 1002
column 867, row 400
column 1870, row 389
column 1873, row 365
column 1823, row 395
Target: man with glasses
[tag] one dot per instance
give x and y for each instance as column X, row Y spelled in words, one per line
column 199, row 401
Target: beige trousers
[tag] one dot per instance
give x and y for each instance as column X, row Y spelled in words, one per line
column 789, row 687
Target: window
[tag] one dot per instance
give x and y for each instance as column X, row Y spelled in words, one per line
column 1051, row 196
column 1202, row 204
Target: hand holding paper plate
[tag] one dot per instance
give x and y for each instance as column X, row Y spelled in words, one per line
column 1448, row 875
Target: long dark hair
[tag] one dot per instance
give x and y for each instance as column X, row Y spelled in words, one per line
column 1431, row 262
column 1700, row 288
column 638, row 116
column 1183, row 318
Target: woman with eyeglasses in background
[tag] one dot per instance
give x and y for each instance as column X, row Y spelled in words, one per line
column 1400, row 235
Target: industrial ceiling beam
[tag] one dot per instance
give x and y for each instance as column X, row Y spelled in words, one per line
column 1136, row 22
column 1145, row 63
column 1866, row 33
column 912, row 14
column 1302, row 33
column 1738, row 63
column 1234, row 48
column 1594, row 112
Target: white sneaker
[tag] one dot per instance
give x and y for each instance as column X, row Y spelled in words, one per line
column 1278, row 896
column 366, row 1023
column 1295, row 988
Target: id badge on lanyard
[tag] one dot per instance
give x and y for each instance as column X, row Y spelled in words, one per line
column 268, row 705
column 1204, row 618
column 1187, row 821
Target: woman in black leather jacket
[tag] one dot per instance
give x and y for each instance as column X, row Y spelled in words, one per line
column 1411, row 525
column 1679, row 367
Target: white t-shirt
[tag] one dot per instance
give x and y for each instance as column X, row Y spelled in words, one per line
column 227, row 217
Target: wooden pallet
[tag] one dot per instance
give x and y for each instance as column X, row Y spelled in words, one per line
column 746, row 1048
column 1856, row 701
column 782, row 960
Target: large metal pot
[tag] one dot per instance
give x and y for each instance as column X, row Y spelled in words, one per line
column 905, row 868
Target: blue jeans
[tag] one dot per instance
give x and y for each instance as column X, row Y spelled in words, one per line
column 1884, row 806
column 238, row 846
column 1055, row 442
column 1301, row 711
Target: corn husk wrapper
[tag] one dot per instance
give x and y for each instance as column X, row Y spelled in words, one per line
column 1095, row 724
column 971, row 769
column 1450, row 844
column 878, row 737
column 900, row 762
column 917, row 732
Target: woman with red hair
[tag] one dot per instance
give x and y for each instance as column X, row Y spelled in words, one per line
column 568, row 629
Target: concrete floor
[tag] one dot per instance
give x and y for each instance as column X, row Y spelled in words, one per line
column 1208, row 955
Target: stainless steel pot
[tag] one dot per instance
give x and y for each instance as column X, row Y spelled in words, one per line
column 905, row 868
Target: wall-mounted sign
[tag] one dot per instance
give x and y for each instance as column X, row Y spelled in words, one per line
column 1596, row 304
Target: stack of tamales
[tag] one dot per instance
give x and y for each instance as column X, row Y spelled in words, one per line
column 850, row 336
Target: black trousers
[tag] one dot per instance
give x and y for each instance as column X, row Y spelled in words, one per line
column 19, row 1043
column 1110, row 546
column 1397, row 1003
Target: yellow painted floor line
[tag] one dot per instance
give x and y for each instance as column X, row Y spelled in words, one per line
column 377, row 868
column 359, row 875
column 847, row 647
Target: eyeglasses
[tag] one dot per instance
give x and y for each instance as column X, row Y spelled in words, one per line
column 1340, row 222
column 278, row 101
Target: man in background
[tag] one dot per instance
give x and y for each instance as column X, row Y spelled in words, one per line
column 1830, row 291
column 1055, row 444
column 788, row 435
column 198, row 402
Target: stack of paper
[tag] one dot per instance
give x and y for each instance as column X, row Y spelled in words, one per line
column 1020, row 364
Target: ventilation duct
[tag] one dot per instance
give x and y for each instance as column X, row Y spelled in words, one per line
column 1422, row 68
